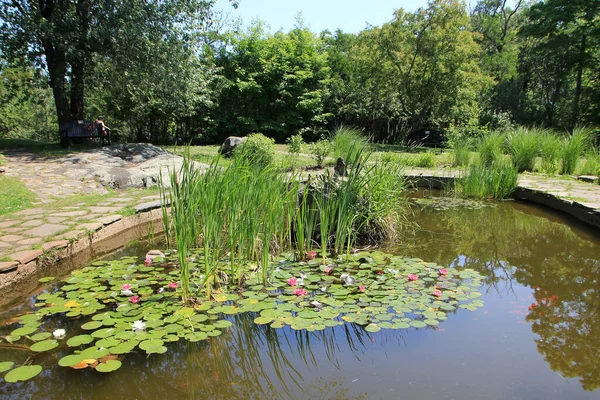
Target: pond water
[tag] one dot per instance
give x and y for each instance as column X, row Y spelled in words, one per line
column 535, row 337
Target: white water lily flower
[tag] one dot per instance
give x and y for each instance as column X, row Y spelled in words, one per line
column 138, row 326
column 392, row 271
column 59, row 333
column 126, row 292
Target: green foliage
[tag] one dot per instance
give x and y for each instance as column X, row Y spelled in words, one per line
column 573, row 148
column 425, row 160
column 524, row 145
column 257, row 149
column 591, row 163
column 320, row 150
column 295, row 143
column 496, row 181
column 346, row 142
column 14, row 196
column 462, row 150
column 490, row 148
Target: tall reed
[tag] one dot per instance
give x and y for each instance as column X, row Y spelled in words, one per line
column 573, row 148
column 497, row 181
column 550, row 152
column 347, row 141
column 462, row 151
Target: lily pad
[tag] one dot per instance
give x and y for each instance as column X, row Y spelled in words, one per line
column 76, row 341
column 23, row 373
column 6, row 365
column 108, row 366
column 44, row 345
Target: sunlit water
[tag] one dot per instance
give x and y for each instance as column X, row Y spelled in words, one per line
column 535, row 338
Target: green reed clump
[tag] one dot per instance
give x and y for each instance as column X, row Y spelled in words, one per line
column 524, row 146
column 497, row 181
column 573, row 148
column 550, row 152
column 490, row 148
column 462, row 151
column 591, row 163
column 257, row 149
column 345, row 142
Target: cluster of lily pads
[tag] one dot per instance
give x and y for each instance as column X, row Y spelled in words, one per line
column 117, row 307
column 440, row 203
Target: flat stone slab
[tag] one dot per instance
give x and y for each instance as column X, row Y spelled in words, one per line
column 45, row 230
column 8, row 224
column 8, row 266
column 55, row 220
column 109, row 219
column 56, row 244
column 70, row 235
column 90, row 227
column 26, row 256
column 34, row 222
column 31, row 211
column 70, row 213
column 30, row 241
column 104, row 210
column 11, row 238
column 143, row 207
column 4, row 245
column 588, row 178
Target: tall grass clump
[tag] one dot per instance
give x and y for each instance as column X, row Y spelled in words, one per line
column 462, row 150
column 497, row 181
column 490, row 149
column 573, row 148
column 524, row 147
column 550, row 152
column 346, row 142
column 591, row 163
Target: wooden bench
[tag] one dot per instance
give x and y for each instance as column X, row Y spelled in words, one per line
column 82, row 129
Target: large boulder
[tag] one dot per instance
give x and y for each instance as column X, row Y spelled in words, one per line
column 230, row 144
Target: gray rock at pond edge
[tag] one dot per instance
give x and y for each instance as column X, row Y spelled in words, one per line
column 340, row 167
column 230, row 144
column 152, row 254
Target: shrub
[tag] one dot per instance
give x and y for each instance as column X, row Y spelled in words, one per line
column 524, row 146
column 490, row 149
column 497, row 181
column 320, row 150
column 257, row 150
column 295, row 144
column 573, row 148
column 425, row 160
column 346, row 142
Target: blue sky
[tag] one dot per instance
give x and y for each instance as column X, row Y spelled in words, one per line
column 350, row 16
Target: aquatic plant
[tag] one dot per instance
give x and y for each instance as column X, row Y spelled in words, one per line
column 462, row 150
column 550, row 152
column 497, row 181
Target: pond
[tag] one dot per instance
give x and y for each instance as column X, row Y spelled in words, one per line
column 535, row 336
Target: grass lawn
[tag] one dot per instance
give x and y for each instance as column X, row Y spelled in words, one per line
column 14, row 196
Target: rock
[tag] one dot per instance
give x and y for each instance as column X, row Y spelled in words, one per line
column 8, row 266
column 588, row 178
column 152, row 254
column 2, row 170
column 230, row 144
column 340, row 167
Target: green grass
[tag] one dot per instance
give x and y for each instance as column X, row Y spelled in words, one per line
column 573, row 148
column 524, row 145
column 497, row 181
column 14, row 196
column 347, row 142
column 490, row 148
column 2, row 160
column 46, row 149
column 550, row 152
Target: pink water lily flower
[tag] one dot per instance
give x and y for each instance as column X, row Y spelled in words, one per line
column 443, row 271
column 300, row 292
column 172, row 285
column 437, row 293
column 361, row 288
column 412, row 277
column 126, row 286
column 148, row 261
column 327, row 270
column 312, row 255
column 135, row 299
column 292, row 281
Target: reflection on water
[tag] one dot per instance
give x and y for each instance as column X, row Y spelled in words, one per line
column 536, row 336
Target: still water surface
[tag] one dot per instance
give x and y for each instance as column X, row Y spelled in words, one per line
column 537, row 336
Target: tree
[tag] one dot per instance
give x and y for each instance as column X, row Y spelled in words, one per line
column 68, row 37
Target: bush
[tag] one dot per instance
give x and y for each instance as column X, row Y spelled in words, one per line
column 573, row 148
column 425, row 160
column 320, row 150
column 257, row 150
column 490, row 149
column 295, row 144
column 346, row 142
column 524, row 146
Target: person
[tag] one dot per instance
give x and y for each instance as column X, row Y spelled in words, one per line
column 103, row 130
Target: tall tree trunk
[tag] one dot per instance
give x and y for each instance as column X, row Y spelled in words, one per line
column 56, row 61
column 78, row 60
column 577, row 96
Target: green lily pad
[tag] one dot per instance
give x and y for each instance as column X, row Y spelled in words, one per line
column 6, row 365
column 40, row 336
column 76, row 341
column 25, row 330
column 23, row 373
column 108, row 366
column 70, row 360
column 91, row 325
column 46, row 279
column 44, row 345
